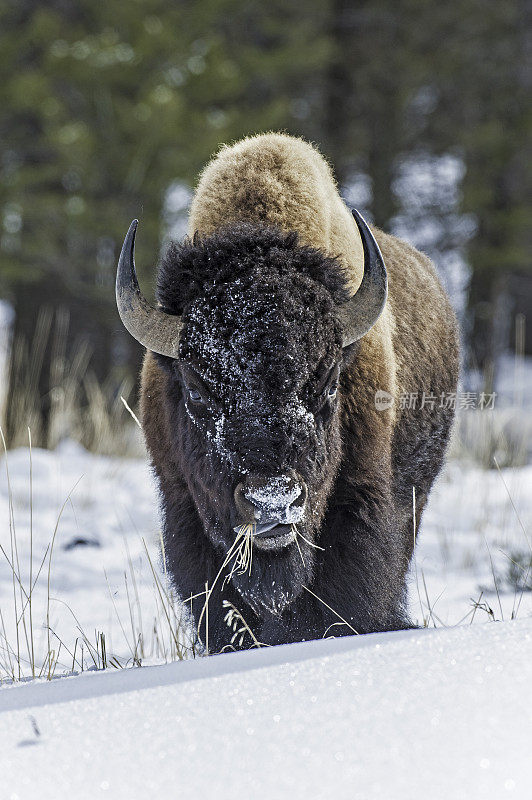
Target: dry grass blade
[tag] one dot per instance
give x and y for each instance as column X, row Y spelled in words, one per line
column 515, row 610
column 132, row 650
column 232, row 553
column 131, row 412
column 430, row 606
column 163, row 595
column 11, row 561
column 234, row 620
column 50, row 557
column 495, row 582
column 310, row 544
column 344, row 621
column 31, row 560
column 244, row 552
column 525, row 534
column 298, row 547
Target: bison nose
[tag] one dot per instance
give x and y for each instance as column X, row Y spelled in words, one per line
column 272, row 501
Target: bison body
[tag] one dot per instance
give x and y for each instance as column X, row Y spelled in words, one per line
column 264, row 416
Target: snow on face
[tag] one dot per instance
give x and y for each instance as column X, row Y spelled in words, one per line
column 256, row 346
column 276, row 498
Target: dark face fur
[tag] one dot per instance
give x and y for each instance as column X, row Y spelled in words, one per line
column 253, row 397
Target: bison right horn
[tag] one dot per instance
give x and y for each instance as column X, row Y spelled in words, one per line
column 153, row 328
column 362, row 311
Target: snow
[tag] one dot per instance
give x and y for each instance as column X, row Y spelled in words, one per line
column 105, row 531
column 475, row 527
column 431, row 713
column 421, row 714
column 276, row 498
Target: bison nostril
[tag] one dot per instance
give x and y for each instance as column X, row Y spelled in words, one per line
column 280, row 498
column 246, row 509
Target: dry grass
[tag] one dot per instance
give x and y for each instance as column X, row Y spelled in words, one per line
column 103, row 421
column 166, row 637
column 512, row 578
column 484, row 437
column 80, row 407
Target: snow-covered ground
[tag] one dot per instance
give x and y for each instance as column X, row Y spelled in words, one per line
column 424, row 714
column 474, row 535
column 438, row 713
column 104, row 513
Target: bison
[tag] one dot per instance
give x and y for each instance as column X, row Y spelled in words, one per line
column 276, row 359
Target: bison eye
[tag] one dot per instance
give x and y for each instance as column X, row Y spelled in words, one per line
column 332, row 390
column 195, row 396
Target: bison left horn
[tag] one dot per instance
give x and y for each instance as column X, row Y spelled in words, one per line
column 150, row 326
column 362, row 311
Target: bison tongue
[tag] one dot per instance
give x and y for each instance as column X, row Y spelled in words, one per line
column 267, row 526
column 260, row 529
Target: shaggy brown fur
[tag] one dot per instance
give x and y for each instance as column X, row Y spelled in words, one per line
column 284, row 183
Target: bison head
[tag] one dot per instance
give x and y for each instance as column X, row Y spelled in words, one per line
column 251, row 331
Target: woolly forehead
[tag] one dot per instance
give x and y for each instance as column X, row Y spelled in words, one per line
column 257, row 306
column 261, row 332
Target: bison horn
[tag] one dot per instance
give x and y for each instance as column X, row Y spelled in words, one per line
column 151, row 327
column 160, row 332
column 362, row 311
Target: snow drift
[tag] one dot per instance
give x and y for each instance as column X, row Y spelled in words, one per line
column 417, row 714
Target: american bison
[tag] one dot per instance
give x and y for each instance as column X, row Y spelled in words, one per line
column 285, row 335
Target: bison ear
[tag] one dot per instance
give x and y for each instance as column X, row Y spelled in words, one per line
column 361, row 312
column 152, row 327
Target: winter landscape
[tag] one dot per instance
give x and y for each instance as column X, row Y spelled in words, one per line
column 105, row 690
column 384, row 715
column 301, row 366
